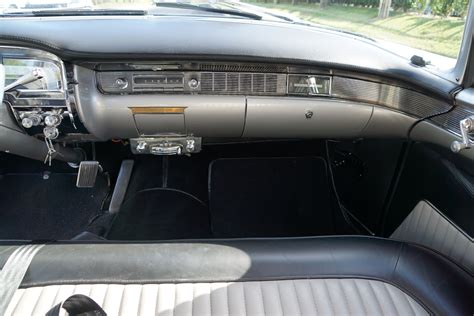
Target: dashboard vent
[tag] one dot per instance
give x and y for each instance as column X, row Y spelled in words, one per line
column 243, row 83
column 242, row 68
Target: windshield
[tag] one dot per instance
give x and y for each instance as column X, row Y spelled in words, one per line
column 431, row 29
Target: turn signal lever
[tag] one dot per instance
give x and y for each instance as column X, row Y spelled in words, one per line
column 466, row 126
column 35, row 74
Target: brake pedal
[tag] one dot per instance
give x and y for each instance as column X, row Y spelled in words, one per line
column 87, row 174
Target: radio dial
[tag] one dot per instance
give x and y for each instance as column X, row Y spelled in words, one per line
column 121, row 83
column 193, row 83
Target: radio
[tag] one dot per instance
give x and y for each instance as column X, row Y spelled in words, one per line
column 222, row 83
column 137, row 82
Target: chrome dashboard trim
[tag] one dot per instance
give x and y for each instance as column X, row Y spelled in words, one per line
column 450, row 121
column 397, row 98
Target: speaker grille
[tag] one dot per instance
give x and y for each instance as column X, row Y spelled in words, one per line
column 242, row 68
column 243, row 83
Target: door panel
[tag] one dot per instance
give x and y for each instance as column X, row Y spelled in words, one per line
column 435, row 174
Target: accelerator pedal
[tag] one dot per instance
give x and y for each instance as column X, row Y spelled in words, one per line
column 87, row 174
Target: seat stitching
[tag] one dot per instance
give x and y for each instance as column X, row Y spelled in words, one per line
column 37, row 300
column 391, row 298
column 296, row 295
column 444, row 238
column 245, row 301
column 279, row 298
column 192, row 300
column 329, row 297
column 121, row 301
column 18, row 303
column 101, row 303
column 261, row 296
column 157, row 299
column 140, row 300
column 313, row 296
column 90, row 290
column 419, row 216
column 451, row 248
column 210, row 297
column 227, row 297
column 174, row 299
column 58, row 287
column 341, row 286
column 358, row 291
column 426, row 218
column 427, row 226
column 434, row 231
column 376, row 297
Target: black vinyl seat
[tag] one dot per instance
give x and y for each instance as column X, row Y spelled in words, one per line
column 287, row 276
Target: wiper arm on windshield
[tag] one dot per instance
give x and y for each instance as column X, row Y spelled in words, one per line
column 208, row 9
column 73, row 12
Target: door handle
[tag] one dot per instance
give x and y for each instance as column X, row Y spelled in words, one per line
column 467, row 127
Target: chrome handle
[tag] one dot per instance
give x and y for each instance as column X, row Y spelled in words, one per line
column 167, row 150
column 467, row 127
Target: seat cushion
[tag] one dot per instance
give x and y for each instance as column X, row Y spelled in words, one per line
column 285, row 297
column 396, row 270
column 427, row 226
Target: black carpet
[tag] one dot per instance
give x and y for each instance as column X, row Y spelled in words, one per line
column 34, row 208
column 160, row 214
column 270, row 197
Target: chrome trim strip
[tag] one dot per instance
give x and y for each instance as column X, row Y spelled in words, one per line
column 394, row 97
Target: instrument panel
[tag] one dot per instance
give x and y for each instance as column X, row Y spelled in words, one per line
column 226, row 83
column 222, row 99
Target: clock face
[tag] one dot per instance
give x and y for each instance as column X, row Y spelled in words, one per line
column 309, row 85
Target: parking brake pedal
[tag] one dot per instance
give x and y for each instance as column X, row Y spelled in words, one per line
column 87, row 174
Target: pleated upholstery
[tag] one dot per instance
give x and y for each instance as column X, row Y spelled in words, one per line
column 426, row 226
column 285, row 297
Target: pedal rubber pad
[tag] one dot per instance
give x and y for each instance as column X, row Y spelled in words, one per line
column 87, row 174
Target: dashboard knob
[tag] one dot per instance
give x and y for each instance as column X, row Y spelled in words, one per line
column 36, row 118
column 141, row 146
column 193, row 83
column 121, row 83
column 27, row 122
column 51, row 132
column 52, row 120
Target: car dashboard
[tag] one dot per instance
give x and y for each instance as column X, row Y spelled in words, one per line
column 165, row 98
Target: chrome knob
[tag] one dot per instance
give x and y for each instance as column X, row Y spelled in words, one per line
column 36, row 118
column 193, row 83
column 50, row 132
column 190, row 145
column 121, row 83
column 27, row 122
column 141, row 146
column 457, row 146
column 52, row 120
